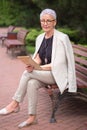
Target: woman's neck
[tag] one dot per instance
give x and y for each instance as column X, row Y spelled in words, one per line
column 49, row 34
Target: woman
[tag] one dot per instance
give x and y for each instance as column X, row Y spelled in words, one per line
column 55, row 55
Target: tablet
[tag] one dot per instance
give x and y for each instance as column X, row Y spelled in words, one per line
column 29, row 61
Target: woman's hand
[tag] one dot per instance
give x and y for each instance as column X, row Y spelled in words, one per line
column 37, row 59
column 29, row 68
column 46, row 67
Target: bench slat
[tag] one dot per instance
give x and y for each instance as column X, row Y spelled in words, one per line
column 80, row 60
column 81, row 68
column 21, row 35
column 11, row 28
column 79, row 47
column 80, row 52
column 81, row 83
column 81, row 76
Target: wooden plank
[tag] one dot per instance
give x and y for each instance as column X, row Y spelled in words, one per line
column 79, row 47
column 81, row 76
column 80, row 68
column 80, row 60
column 21, row 35
column 11, row 28
column 80, row 52
column 81, row 83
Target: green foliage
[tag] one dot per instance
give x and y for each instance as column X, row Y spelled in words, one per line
column 30, row 49
column 84, row 90
column 18, row 14
column 25, row 13
column 33, row 33
column 73, row 34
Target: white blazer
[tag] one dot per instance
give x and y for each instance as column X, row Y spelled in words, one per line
column 63, row 64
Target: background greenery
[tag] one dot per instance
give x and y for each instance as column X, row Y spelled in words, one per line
column 72, row 16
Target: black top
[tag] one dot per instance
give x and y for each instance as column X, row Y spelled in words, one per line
column 45, row 50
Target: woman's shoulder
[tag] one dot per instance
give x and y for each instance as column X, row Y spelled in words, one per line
column 60, row 35
column 40, row 35
column 57, row 32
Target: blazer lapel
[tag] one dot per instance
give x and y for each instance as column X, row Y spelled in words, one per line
column 54, row 49
column 38, row 44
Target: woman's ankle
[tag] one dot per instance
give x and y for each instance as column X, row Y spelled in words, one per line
column 31, row 118
column 13, row 105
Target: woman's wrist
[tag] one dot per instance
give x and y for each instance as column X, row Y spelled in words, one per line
column 46, row 67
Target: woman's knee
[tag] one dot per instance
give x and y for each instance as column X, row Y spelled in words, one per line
column 33, row 83
column 25, row 72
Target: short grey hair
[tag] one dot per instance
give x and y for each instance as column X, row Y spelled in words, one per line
column 48, row 11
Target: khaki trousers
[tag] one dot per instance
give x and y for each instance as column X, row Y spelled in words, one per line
column 30, row 83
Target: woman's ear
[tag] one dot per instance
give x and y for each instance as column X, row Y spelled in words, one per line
column 55, row 22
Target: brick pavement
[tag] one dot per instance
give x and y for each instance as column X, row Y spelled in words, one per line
column 71, row 114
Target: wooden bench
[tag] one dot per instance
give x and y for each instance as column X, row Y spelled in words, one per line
column 16, row 43
column 80, row 53
column 3, row 36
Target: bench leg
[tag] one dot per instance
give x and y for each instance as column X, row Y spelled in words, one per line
column 55, row 97
column 2, row 40
column 56, row 100
column 7, row 50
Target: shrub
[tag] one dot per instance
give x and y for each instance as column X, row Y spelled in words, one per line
column 73, row 34
column 33, row 33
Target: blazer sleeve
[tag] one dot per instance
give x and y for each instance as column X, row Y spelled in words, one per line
column 71, row 66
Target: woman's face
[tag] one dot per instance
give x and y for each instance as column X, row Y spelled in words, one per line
column 47, row 22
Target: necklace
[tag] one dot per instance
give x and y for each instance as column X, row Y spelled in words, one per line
column 47, row 43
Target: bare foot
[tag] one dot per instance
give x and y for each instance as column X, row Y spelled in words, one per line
column 12, row 106
column 31, row 119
